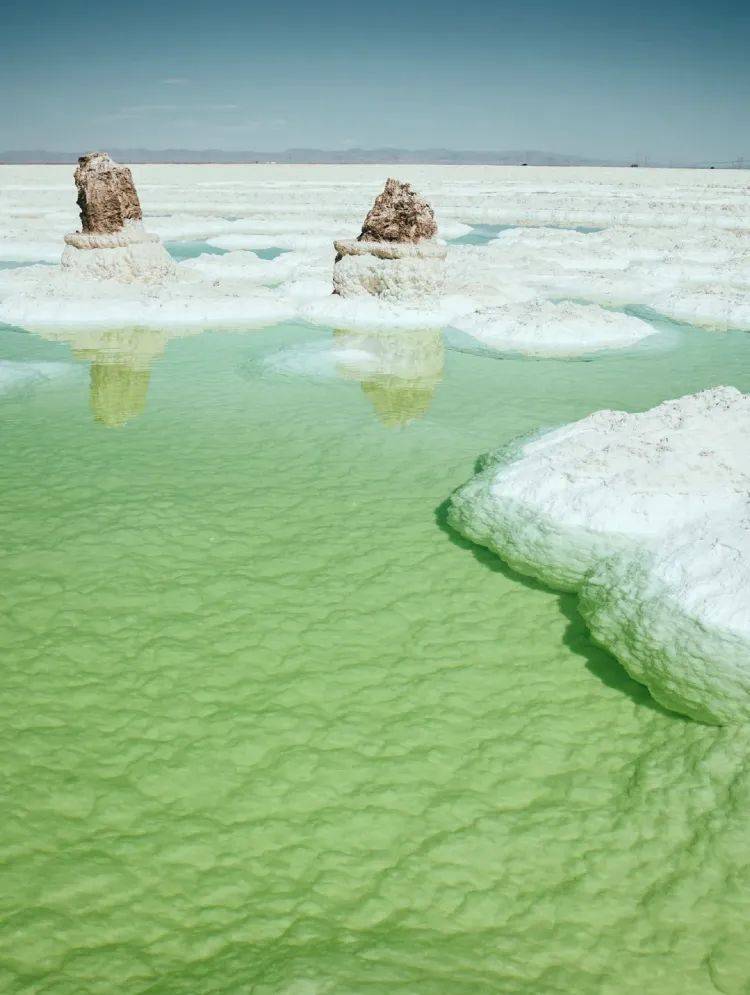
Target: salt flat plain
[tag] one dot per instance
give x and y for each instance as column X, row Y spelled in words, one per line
column 672, row 242
column 267, row 723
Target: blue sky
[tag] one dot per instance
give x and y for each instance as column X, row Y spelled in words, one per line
column 663, row 79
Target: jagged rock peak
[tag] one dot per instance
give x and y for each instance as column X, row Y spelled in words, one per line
column 106, row 194
column 399, row 214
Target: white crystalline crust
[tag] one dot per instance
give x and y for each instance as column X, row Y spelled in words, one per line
column 131, row 233
column 131, row 255
column 549, row 328
column 678, row 616
column 429, row 249
column 648, row 515
column 675, row 242
column 143, row 262
column 401, row 278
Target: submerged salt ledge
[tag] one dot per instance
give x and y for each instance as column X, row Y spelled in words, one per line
column 17, row 374
column 647, row 514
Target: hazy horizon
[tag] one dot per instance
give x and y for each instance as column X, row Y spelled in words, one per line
column 633, row 83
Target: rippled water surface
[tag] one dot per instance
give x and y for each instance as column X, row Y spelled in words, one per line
column 268, row 727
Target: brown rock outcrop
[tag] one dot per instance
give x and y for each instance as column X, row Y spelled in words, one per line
column 399, row 214
column 106, row 194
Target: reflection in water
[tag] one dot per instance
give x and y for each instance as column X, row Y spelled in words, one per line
column 398, row 369
column 118, row 393
column 121, row 361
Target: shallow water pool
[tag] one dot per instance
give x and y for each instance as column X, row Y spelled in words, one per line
column 269, row 727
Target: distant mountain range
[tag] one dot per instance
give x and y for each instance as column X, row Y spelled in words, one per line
column 446, row 157
column 438, row 157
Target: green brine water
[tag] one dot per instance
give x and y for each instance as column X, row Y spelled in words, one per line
column 269, row 727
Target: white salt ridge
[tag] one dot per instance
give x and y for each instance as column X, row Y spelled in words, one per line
column 553, row 328
column 37, row 298
column 648, row 514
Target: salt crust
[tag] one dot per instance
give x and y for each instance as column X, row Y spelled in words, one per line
column 648, row 516
column 680, row 248
column 548, row 328
column 131, row 255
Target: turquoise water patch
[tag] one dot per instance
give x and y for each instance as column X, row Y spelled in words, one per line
column 481, row 234
column 269, row 726
column 15, row 264
column 270, row 253
column 180, row 251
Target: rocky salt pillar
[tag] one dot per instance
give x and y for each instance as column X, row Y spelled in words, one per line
column 396, row 255
column 112, row 243
column 399, row 214
column 106, row 194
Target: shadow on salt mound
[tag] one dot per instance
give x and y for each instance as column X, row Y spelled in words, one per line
column 598, row 660
column 20, row 374
column 649, row 515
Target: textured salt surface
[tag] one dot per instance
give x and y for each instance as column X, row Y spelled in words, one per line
column 662, row 498
column 678, row 616
column 548, row 328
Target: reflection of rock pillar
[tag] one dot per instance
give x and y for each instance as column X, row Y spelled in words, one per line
column 118, row 392
column 113, row 244
column 395, row 255
column 399, row 371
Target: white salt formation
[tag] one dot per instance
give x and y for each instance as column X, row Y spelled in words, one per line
column 395, row 256
column 542, row 327
column 677, row 615
column 675, row 244
column 649, row 514
column 113, row 244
